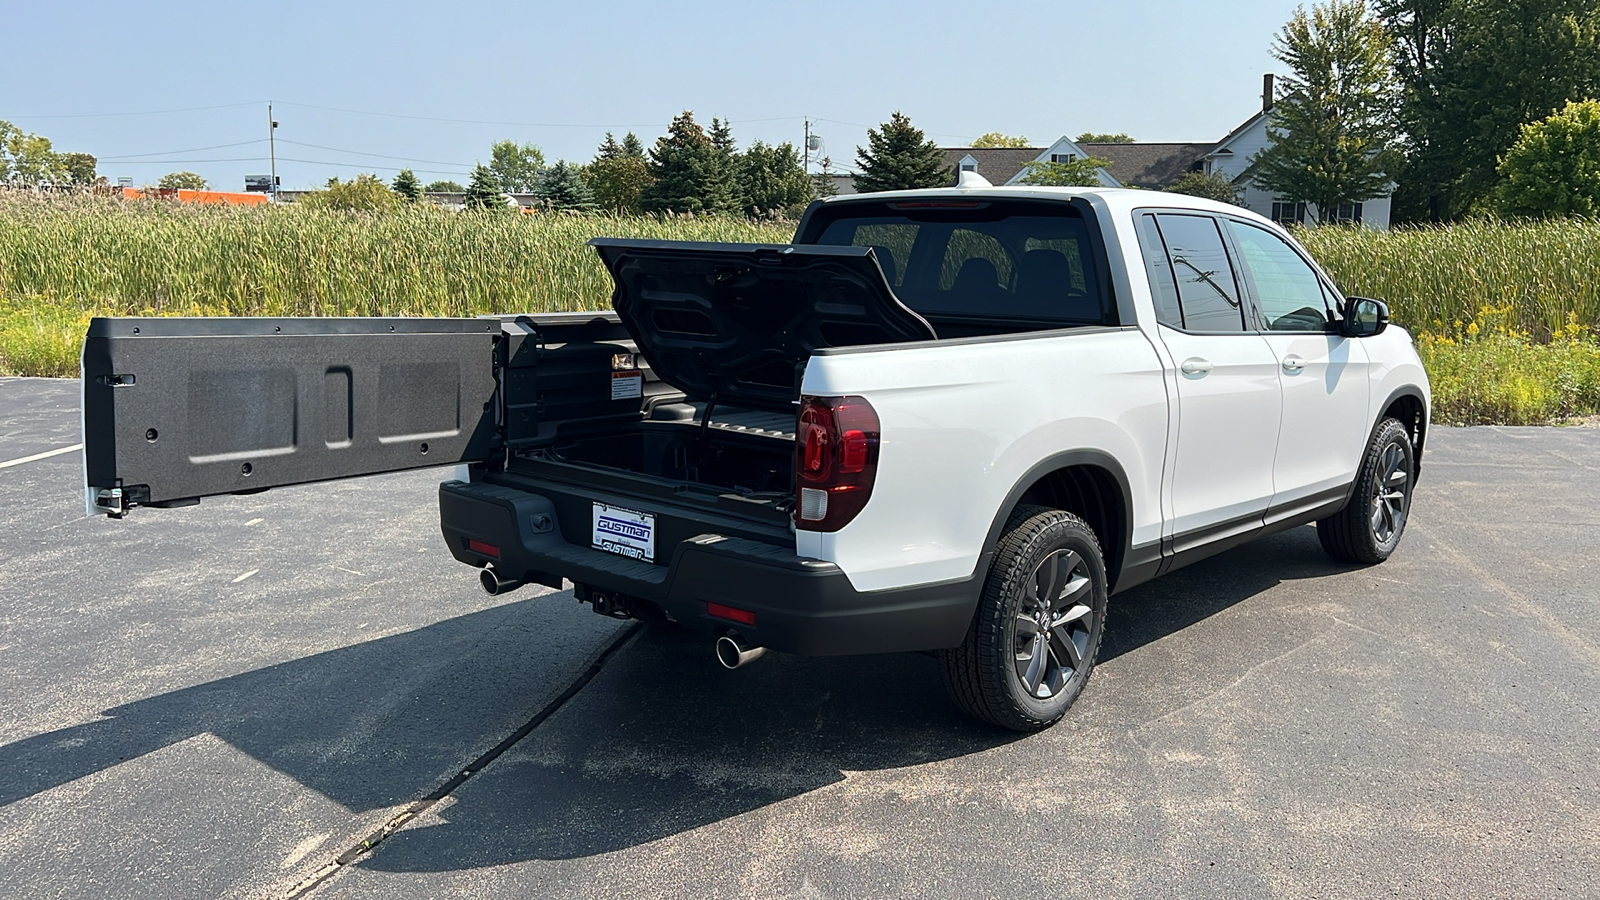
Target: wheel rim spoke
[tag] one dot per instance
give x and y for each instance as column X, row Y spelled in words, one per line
column 1050, row 635
column 1027, row 626
column 1033, row 678
column 1064, row 645
column 1389, row 495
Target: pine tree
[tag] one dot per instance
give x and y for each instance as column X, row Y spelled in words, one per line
column 899, row 158
column 407, row 186
column 687, row 172
column 727, row 164
column 822, row 184
column 562, row 188
column 483, row 192
column 632, row 146
column 609, row 148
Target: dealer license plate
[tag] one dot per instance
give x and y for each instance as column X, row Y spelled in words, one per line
column 626, row 532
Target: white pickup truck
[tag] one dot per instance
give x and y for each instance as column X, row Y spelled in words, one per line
column 948, row 420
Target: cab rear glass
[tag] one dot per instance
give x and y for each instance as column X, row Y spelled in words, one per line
column 977, row 260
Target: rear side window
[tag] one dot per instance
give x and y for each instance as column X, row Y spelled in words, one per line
column 980, row 261
column 1208, row 293
column 1163, row 287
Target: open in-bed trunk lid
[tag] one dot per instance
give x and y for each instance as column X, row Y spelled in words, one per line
column 736, row 322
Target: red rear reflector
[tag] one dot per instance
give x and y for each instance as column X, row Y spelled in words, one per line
column 853, row 455
column 481, row 547
column 728, row 612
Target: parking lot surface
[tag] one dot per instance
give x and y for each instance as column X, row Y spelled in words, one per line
column 235, row 699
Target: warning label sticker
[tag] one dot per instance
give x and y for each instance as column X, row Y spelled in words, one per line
column 627, row 385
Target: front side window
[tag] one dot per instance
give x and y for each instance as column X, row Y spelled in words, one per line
column 1207, row 290
column 1286, row 287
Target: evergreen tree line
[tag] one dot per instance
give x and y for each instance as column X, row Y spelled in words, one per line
column 691, row 170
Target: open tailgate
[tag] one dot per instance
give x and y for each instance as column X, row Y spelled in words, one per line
column 175, row 409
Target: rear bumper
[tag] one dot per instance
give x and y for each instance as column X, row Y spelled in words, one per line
column 803, row 606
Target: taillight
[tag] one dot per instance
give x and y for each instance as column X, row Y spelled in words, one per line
column 836, row 460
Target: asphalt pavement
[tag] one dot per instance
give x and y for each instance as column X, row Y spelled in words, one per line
column 299, row 693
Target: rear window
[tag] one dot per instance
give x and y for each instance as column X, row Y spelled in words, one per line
column 978, row 261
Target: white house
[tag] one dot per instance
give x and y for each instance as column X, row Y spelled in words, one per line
column 1155, row 165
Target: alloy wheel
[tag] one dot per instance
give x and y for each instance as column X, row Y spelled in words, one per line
column 1050, row 636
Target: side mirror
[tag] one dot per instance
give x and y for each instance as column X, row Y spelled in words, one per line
column 1364, row 317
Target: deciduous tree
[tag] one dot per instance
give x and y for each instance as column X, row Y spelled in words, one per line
column 515, row 166
column 771, row 180
column 28, row 158
column 187, row 181
column 1212, row 186
column 1554, row 167
column 1090, row 137
column 898, row 157
column 1075, row 173
column 996, row 139
column 1333, row 129
column 1474, row 72
column 443, row 187
column 618, row 174
column 79, row 168
column 366, row 193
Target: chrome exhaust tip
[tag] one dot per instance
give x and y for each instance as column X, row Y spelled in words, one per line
column 495, row 584
column 733, row 653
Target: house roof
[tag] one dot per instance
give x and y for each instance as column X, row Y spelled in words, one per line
column 1149, row 165
column 1222, row 145
column 997, row 164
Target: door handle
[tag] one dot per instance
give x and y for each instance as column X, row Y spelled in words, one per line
column 1194, row 365
column 1292, row 363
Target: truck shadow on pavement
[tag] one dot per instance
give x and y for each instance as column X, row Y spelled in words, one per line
column 663, row 741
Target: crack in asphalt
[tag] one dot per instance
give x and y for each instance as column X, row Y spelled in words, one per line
column 367, row 844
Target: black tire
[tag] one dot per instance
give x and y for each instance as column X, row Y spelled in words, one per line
column 1008, row 670
column 1369, row 527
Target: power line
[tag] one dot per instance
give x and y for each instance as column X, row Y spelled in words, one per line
column 378, row 155
column 879, row 125
column 148, row 112
column 131, row 156
column 174, row 162
column 611, row 127
column 350, row 165
column 363, row 112
column 315, row 162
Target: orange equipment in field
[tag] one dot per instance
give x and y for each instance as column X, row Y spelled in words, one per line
column 184, row 195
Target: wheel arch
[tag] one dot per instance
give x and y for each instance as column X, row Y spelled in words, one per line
column 1409, row 406
column 1090, row 484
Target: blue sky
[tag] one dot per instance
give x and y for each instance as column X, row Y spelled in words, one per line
column 561, row 75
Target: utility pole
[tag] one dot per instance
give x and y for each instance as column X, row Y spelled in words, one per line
column 272, row 150
column 805, row 148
